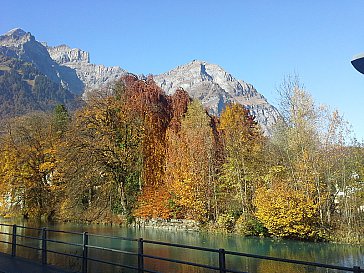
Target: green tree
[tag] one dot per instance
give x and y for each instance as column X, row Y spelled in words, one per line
column 102, row 165
column 60, row 119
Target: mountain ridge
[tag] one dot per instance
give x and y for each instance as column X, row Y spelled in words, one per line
column 71, row 68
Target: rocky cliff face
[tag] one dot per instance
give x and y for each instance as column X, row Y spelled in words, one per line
column 30, row 80
column 216, row 88
column 93, row 76
column 64, row 54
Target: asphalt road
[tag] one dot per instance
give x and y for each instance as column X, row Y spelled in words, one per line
column 9, row 264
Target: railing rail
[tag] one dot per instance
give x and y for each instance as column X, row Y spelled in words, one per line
column 44, row 238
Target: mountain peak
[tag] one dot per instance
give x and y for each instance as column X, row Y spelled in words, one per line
column 198, row 62
column 200, row 71
column 16, row 32
column 15, row 38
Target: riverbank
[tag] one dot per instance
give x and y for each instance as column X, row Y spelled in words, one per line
column 243, row 229
column 239, row 228
column 338, row 254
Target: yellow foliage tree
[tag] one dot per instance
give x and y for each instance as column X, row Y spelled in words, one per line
column 189, row 165
column 27, row 166
column 242, row 144
column 102, row 155
column 287, row 212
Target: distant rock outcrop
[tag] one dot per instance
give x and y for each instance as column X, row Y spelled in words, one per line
column 63, row 54
column 93, row 76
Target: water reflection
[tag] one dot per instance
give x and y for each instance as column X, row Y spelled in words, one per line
column 337, row 254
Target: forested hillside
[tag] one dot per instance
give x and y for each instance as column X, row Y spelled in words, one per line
column 24, row 89
column 137, row 152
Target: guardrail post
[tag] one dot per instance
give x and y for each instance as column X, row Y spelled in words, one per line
column 356, row 269
column 84, row 252
column 140, row 256
column 222, row 262
column 13, row 242
column 44, row 245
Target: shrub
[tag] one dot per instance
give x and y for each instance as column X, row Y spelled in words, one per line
column 249, row 226
column 226, row 222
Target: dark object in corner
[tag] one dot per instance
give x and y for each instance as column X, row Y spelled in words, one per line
column 358, row 62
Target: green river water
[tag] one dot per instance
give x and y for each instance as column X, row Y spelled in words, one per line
column 328, row 253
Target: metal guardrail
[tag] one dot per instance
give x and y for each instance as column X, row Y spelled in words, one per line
column 44, row 239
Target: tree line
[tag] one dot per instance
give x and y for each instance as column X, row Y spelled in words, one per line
column 133, row 151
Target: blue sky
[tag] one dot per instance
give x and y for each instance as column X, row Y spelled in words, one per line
column 259, row 42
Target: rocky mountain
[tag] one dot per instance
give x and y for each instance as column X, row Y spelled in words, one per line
column 22, row 45
column 215, row 88
column 28, row 78
column 71, row 69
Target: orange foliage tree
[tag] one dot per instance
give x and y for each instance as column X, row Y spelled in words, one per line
column 189, row 165
column 154, row 109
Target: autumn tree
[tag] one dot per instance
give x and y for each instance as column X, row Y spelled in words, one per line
column 190, row 165
column 307, row 159
column 102, row 165
column 294, row 168
column 242, row 144
column 345, row 209
column 153, row 108
column 155, row 200
column 120, row 137
column 27, row 165
column 287, row 212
